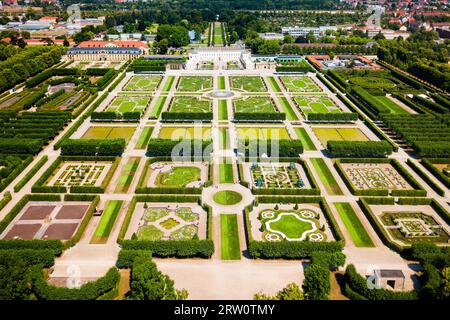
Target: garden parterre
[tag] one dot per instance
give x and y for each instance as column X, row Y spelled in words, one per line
column 143, row 83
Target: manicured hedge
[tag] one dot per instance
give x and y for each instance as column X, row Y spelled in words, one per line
column 369, row 100
column 126, row 257
column 171, row 248
column 428, row 163
column 89, row 291
column 20, row 146
column 30, row 174
column 93, row 147
column 362, row 149
column 165, row 147
column 333, row 117
column 45, row 257
column 5, row 200
column 17, row 163
column 280, row 148
column 358, row 284
column 163, row 190
column 290, row 249
column 255, row 116
column 55, row 246
column 426, row 178
column 181, row 116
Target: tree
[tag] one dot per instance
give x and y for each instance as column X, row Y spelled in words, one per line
column 379, row 36
column 316, row 285
column 21, row 43
column 15, row 279
column 177, row 36
column 290, row 292
column 446, row 283
column 161, row 46
column 288, row 39
column 148, row 283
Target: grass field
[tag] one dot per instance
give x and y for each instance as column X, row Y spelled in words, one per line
column 127, row 174
column 176, row 133
column 158, row 106
column 299, row 84
column 221, row 83
column 339, row 134
column 354, row 226
column 227, row 197
column 189, row 104
column 109, row 133
column 142, row 83
column 106, row 222
column 144, row 138
column 218, row 39
column 262, row 133
column 391, row 105
column 223, row 138
column 223, row 110
column 194, row 83
column 248, row 83
column 128, row 104
column 255, row 105
column 273, row 84
column 327, row 178
column 168, row 84
column 290, row 114
column 229, row 237
column 178, row 177
column 316, row 104
column 226, row 173
column 305, row 139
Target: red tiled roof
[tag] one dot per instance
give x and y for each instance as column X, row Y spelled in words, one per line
column 122, row 44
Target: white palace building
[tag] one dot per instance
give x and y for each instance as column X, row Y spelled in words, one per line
column 220, row 57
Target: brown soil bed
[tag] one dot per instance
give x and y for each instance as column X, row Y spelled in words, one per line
column 60, row 231
column 72, row 211
column 37, row 212
column 23, row 231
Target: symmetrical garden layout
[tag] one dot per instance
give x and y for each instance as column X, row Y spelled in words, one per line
column 333, row 169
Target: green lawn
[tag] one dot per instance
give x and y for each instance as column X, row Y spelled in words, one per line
column 339, row 134
column 299, row 84
column 229, row 237
column 127, row 174
column 106, row 222
column 177, row 133
column 290, row 114
column 326, row 177
column 227, row 197
column 194, row 83
column 188, row 104
column 255, row 105
column 178, row 177
column 316, row 104
column 223, row 138
column 109, row 133
column 158, row 106
column 248, row 83
column 290, row 226
column 149, row 232
column 391, row 105
column 168, row 84
column 305, row 139
column 354, row 226
column 221, row 82
column 226, row 173
column 218, row 39
column 128, row 104
column 273, row 84
column 142, row 83
column 144, row 138
column 253, row 133
column 223, row 110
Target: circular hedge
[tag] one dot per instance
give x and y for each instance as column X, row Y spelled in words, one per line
column 372, row 82
column 227, row 197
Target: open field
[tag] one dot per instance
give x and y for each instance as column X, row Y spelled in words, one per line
column 229, row 237
column 109, row 133
column 263, row 133
column 106, row 222
column 354, row 226
column 176, row 133
column 142, row 83
column 327, row 178
column 248, row 83
column 194, row 83
column 339, row 134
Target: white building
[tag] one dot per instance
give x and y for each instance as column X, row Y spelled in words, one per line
column 303, row 31
column 218, row 56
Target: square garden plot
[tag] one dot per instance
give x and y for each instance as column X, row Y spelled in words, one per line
column 316, row 104
column 277, row 175
column 109, row 132
column 177, row 133
column 255, row 105
column 299, row 84
column 262, row 133
column 48, row 220
column 165, row 174
column 186, row 104
column 194, row 83
column 127, row 103
column 172, row 221
column 404, row 224
column 142, row 83
column 248, row 83
column 301, row 222
column 339, row 134
column 385, row 175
